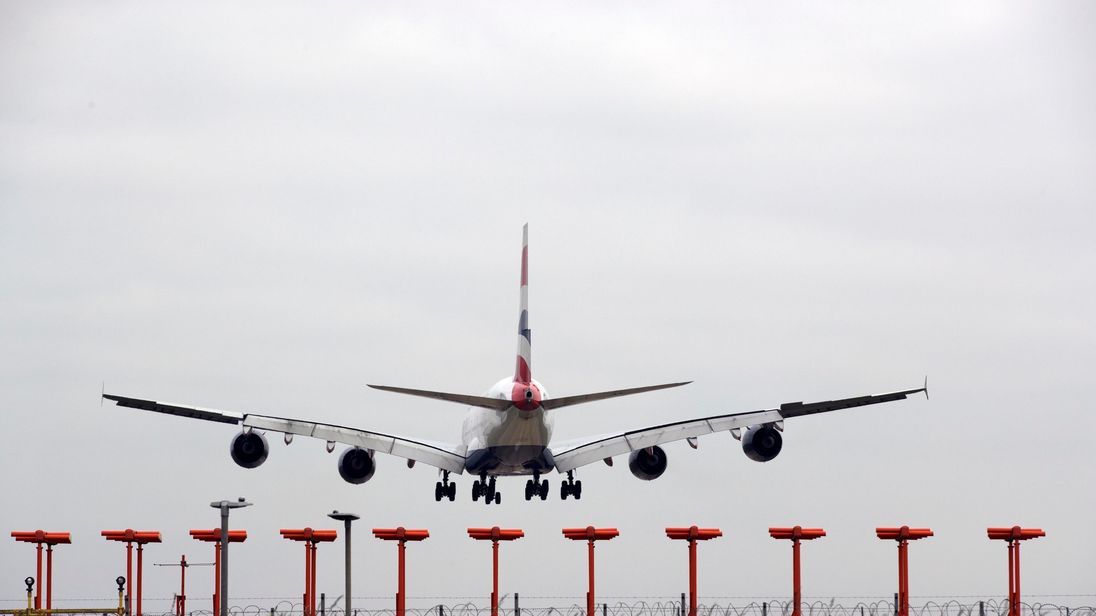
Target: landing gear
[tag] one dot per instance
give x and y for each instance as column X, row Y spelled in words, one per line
column 445, row 489
column 570, row 487
column 536, row 487
column 486, row 488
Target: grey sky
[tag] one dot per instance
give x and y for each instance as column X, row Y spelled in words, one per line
column 262, row 207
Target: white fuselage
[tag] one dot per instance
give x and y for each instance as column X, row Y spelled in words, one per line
column 508, row 442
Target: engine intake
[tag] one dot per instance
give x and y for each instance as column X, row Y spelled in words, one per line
column 762, row 443
column 249, row 449
column 356, row 465
column 647, row 463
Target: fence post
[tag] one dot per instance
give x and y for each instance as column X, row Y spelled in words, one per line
column 895, row 604
column 861, row 610
column 981, row 608
column 682, row 604
column 441, row 610
column 765, row 608
column 517, row 606
column 605, row 609
column 271, row 610
column 323, row 601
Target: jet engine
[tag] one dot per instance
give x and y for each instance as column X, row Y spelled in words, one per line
column 762, row 443
column 647, row 463
column 356, row 465
column 249, row 449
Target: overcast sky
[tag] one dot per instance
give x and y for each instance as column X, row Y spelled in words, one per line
column 263, row 207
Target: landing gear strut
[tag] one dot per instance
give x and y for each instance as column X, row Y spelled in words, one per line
column 485, row 487
column 536, row 487
column 570, row 487
column 445, row 489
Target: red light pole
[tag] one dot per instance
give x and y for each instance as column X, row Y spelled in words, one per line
column 903, row 536
column 310, row 538
column 213, row 535
column 590, row 535
column 403, row 535
column 49, row 539
column 140, row 537
column 1014, row 536
column 495, row 534
column 693, row 534
column 796, row 534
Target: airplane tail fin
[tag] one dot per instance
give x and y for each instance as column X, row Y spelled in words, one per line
column 523, row 370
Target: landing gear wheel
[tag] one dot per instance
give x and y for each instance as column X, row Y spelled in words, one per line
column 578, row 490
column 452, row 492
column 563, row 491
column 544, row 490
column 529, row 490
column 477, row 489
column 498, row 498
column 437, row 491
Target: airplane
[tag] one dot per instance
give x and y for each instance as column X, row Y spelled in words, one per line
column 508, row 430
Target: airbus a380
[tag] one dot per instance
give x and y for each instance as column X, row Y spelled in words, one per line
column 508, row 430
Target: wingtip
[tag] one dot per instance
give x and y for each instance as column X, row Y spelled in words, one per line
column 925, row 387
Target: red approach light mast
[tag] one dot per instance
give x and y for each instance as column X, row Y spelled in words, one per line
column 693, row 534
column 796, row 534
column 140, row 537
column 310, row 538
column 590, row 535
column 49, row 539
column 494, row 535
column 213, row 535
column 403, row 535
column 903, row 535
column 1014, row 536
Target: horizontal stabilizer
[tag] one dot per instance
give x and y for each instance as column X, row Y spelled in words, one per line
column 558, row 403
column 480, row 401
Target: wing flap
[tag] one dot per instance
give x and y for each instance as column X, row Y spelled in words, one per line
column 195, row 412
column 569, row 456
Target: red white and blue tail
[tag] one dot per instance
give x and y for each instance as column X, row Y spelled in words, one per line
column 523, row 370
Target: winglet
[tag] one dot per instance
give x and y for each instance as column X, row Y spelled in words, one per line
column 102, row 393
column 926, row 387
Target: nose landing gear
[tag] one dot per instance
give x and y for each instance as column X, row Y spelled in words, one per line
column 445, row 489
column 570, row 487
column 486, row 488
column 536, row 487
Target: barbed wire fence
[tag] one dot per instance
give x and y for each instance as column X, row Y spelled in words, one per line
column 987, row 607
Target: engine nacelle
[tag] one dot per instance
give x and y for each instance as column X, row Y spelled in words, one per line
column 249, row 449
column 762, row 443
column 647, row 463
column 356, row 465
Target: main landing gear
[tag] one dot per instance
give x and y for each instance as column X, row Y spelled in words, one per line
column 536, row 487
column 486, row 488
column 569, row 487
column 445, row 489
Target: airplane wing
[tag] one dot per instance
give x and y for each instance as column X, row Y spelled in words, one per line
column 440, row 455
column 573, row 454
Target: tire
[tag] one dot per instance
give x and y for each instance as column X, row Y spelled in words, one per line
column 528, row 490
column 476, row 490
column 563, row 491
column 452, row 492
column 498, row 498
column 437, row 492
column 578, row 490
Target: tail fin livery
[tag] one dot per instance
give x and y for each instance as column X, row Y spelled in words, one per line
column 523, row 370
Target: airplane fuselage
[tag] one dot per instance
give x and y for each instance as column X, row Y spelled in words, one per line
column 513, row 441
